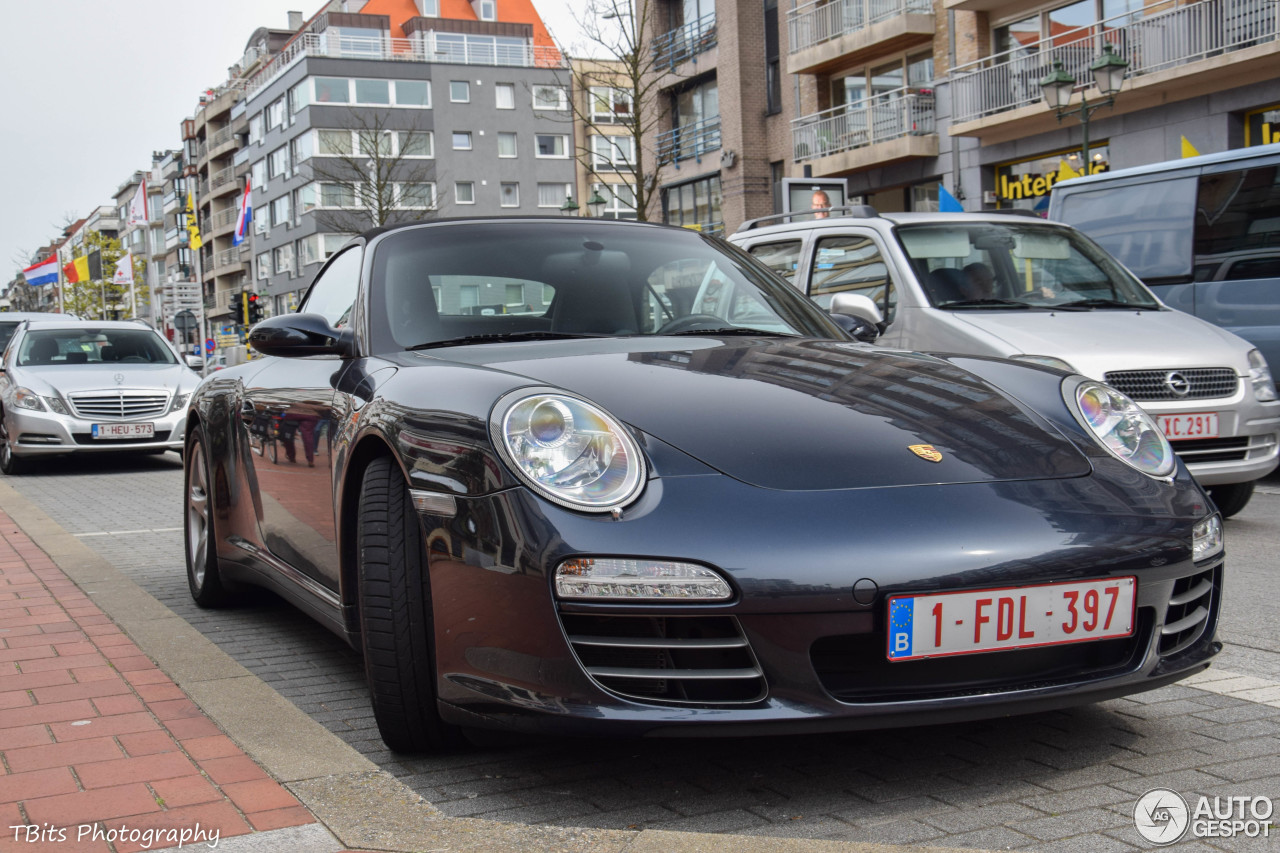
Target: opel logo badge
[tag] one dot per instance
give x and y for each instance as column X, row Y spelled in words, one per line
column 119, row 378
column 1177, row 384
column 925, row 451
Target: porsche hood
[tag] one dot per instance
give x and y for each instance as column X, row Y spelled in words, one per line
column 803, row 415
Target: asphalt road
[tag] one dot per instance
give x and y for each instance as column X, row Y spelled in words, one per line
column 1059, row 781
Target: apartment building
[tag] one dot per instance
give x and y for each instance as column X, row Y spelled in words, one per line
column 604, row 138
column 1205, row 71
column 146, row 240
column 388, row 111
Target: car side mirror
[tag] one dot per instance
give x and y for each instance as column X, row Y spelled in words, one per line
column 856, row 305
column 195, row 362
column 299, row 335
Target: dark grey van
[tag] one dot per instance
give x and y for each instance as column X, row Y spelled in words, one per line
column 1203, row 233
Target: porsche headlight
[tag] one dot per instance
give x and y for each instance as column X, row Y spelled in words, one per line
column 601, row 579
column 1122, row 428
column 1206, row 538
column 569, row 451
column 25, row 398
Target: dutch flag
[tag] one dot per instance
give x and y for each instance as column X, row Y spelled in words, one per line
column 42, row 272
column 246, row 214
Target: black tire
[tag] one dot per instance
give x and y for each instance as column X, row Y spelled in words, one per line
column 1231, row 498
column 9, row 464
column 204, row 577
column 396, row 622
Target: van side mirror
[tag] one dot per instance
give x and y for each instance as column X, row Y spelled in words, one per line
column 857, row 315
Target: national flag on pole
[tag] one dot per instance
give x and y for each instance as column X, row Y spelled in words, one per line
column 77, row 270
column 193, row 226
column 124, row 270
column 42, row 272
column 947, row 203
column 246, row 214
column 138, row 205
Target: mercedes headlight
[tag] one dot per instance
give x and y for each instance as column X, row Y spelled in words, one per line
column 568, row 450
column 1264, row 387
column 1122, row 428
column 179, row 402
column 25, row 398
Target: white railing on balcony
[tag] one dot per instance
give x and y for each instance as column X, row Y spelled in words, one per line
column 891, row 115
column 220, row 137
column 427, row 46
column 1179, row 36
column 222, row 176
column 816, row 22
column 675, row 46
column 226, row 258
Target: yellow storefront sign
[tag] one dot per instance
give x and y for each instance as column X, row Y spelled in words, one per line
column 1026, row 183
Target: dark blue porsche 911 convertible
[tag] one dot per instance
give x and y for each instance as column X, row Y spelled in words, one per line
column 616, row 478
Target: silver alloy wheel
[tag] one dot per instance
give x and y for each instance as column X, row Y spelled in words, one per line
column 197, row 516
column 6, row 452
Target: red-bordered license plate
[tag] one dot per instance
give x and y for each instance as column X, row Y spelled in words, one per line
column 124, row 430
column 987, row 620
column 1189, row 425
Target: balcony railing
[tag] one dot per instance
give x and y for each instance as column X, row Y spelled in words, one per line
column 221, row 177
column 221, row 137
column 816, row 22
column 227, row 258
column 684, row 43
column 690, row 141
column 891, row 115
column 1185, row 34
column 426, row 46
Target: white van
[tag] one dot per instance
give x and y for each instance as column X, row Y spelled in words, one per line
column 1019, row 287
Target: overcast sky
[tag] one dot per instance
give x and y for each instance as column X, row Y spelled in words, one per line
column 95, row 86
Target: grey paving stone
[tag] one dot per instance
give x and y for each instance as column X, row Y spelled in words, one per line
column 1073, row 823
column 736, row 820
column 992, row 838
column 1094, row 842
column 956, row 821
column 1079, row 798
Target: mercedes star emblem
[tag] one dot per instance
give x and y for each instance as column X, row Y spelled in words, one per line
column 119, row 377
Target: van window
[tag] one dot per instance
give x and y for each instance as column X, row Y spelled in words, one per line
column 1238, row 219
column 851, row 264
column 1148, row 226
column 783, row 258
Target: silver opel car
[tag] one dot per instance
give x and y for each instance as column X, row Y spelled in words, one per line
column 79, row 386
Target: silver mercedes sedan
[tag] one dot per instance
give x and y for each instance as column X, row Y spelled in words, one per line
column 80, row 386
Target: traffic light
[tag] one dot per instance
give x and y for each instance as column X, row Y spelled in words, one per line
column 255, row 308
column 244, row 308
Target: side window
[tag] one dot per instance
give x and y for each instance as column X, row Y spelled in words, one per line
column 333, row 294
column 1238, row 219
column 852, row 264
column 783, row 258
column 1148, row 228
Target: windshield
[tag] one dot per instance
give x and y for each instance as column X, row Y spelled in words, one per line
column 6, row 334
column 1016, row 266
column 52, row 347
column 497, row 281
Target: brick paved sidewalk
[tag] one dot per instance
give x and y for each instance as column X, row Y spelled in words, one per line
column 94, row 737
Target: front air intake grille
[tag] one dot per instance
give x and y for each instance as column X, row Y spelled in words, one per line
column 119, row 404
column 1191, row 383
column 854, row 668
column 692, row 659
column 1212, row 449
column 1190, row 607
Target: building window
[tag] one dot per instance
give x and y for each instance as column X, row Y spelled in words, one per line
column 772, row 59
column 305, row 199
column 337, row 195
column 914, row 71
column 302, row 147
column 418, row 196
column 258, row 175
column 300, row 96
column 550, row 98
column 460, row 91
column 428, row 8
column 506, row 144
column 373, row 92
column 695, row 204
column 332, row 90
column 255, row 129
column 462, row 140
column 464, row 192
column 264, row 266
column 552, row 195
column 413, row 93
column 278, row 162
column 334, row 143
column 419, row 143
column 487, row 10
column 610, row 105
column 284, row 259
column 280, row 211
column 613, row 153
column 777, row 171
column 275, row 115
column 504, row 96
column 552, row 145
column 510, row 195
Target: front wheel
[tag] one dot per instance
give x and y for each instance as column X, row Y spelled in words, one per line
column 9, row 463
column 203, row 575
column 1231, row 498
column 396, row 621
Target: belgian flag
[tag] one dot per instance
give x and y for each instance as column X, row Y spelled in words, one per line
column 84, row 268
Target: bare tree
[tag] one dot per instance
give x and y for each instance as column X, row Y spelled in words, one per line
column 374, row 174
column 634, row 79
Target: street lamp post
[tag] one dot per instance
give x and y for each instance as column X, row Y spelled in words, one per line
column 569, row 208
column 595, row 204
column 1108, row 74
